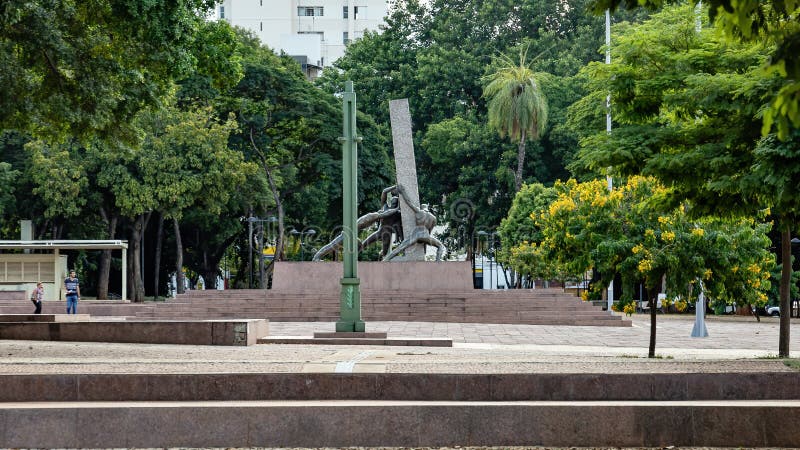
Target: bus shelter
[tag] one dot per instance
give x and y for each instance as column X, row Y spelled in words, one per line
column 21, row 271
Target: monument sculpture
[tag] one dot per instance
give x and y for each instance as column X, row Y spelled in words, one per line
column 421, row 234
column 406, row 169
column 388, row 219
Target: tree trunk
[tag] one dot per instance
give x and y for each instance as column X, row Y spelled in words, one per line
column 210, row 276
column 520, row 161
column 178, row 258
column 281, row 215
column 105, row 256
column 785, row 289
column 212, row 259
column 273, row 187
column 260, row 247
column 137, row 283
column 157, row 256
column 57, row 230
column 651, row 301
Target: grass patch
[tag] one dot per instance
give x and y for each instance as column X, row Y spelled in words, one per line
column 768, row 356
column 793, row 363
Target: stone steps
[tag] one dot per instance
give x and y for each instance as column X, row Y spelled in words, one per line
column 637, row 386
column 12, row 295
column 534, row 307
column 365, row 423
column 400, row 410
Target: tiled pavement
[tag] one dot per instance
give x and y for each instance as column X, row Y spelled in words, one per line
column 729, row 336
column 735, row 344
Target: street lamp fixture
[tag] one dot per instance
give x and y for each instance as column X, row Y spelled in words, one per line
column 250, row 221
column 303, row 236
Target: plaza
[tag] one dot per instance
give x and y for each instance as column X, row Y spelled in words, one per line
column 528, row 383
column 735, row 344
column 183, row 136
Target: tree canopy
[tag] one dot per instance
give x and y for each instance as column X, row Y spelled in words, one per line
column 625, row 232
column 74, row 69
column 688, row 108
column 517, row 107
column 772, row 23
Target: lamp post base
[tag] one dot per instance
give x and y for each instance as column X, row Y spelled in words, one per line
column 350, row 307
column 358, row 326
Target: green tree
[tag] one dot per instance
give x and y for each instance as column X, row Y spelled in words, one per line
column 7, row 177
column 74, row 69
column 688, row 107
column 413, row 58
column 624, row 232
column 772, row 23
column 520, row 237
column 186, row 162
column 517, row 106
column 477, row 190
column 290, row 129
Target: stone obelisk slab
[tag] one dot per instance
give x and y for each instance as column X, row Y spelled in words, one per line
column 406, row 167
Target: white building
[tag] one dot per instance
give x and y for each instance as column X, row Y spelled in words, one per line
column 313, row 31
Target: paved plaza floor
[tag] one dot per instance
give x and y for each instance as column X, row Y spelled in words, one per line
column 737, row 344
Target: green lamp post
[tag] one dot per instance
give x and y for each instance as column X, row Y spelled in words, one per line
column 350, row 298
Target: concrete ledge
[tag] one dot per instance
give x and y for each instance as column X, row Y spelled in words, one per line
column 400, row 424
column 44, row 317
column 198, row 332
column 401, row 342
column 399, row 386
column 349, row 334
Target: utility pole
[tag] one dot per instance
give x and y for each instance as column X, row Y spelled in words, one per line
column 610, row 292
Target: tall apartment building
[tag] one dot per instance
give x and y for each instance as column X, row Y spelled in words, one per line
column 315, row 32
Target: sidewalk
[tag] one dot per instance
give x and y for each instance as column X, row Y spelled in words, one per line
column 729, row 336
column 733, row 345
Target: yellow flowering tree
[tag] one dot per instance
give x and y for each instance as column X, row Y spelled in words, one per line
column 580, row 229
column 520, row 236
column 626, row 232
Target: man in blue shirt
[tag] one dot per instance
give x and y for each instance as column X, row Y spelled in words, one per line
column 73, row 287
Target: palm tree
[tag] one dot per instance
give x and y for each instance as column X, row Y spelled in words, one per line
column 517, row 106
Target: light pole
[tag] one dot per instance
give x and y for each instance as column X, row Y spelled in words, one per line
column 250, row 252
column 494, row 277
column 302, row 235
column 483, row 251
column 794, row 243
column 490, row 239
column 609, row 180
column 251, row 220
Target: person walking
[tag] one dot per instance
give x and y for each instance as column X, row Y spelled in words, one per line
column 36, row 297
column 73, row 287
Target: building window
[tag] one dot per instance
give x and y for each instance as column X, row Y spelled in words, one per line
column 345, row 12
column 221, row 12
column 310, row 11
column 359, row 12
column 320, row 33
column 260, row 2
column 345, row 37
column 261, row 26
